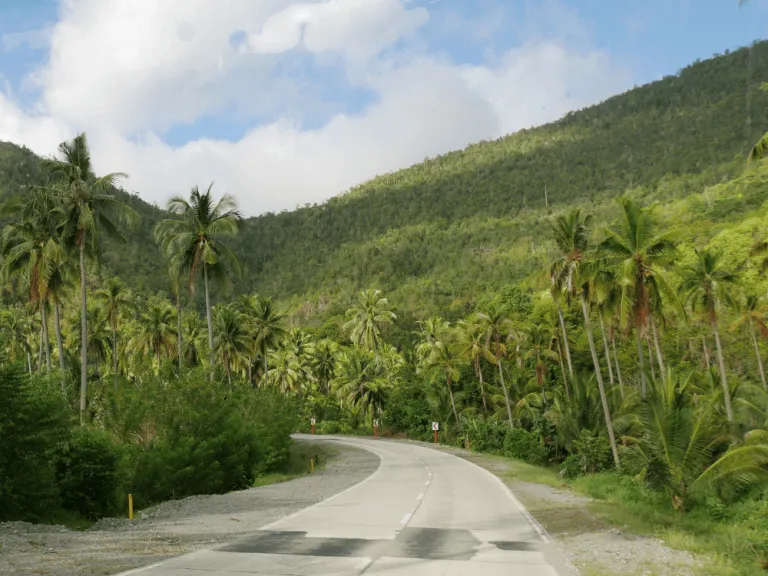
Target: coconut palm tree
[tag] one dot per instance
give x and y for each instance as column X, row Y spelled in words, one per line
column 437, row 353
column 116, row 298
column 359, row 381
column 195, row 332
column 155, row 330
column 232, row 341
column 194, row 242
column 537, row 340
column 474, row 350
column 639, row 254
column 89, row 208
column 571, row 274
column 498, row 329
column 367, row 319
column 751, row 317
column 324, row 363
column 268, row 322
column 705, row 285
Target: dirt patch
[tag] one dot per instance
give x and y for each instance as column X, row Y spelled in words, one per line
column 114, row 545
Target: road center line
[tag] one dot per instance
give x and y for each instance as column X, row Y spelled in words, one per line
column 420, row 496
column 406, row 518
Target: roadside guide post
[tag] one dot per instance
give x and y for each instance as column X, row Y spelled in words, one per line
column 435, row 428
column 313, row 425
column 376, row 428
column 130, row 506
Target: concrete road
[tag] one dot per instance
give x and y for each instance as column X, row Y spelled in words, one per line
column 422, row 513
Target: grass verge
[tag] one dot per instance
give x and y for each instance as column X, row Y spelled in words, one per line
column 306, row 458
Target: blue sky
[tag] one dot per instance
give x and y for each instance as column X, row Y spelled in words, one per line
column 528, row 61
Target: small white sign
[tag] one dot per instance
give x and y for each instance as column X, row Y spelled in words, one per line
column 376, row 422
column 313, row 421
column 435, row 426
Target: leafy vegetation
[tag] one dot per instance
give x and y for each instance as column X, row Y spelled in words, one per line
column 555, row 296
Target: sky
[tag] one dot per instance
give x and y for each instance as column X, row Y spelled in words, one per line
column 283, row 103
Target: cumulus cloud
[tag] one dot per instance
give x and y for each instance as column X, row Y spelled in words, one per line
column 127, row 70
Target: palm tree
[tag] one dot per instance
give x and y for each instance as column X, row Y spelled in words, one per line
column 155, row 330
column 498, row 328
column 89, row 207
column 473, row 341
column 638, row 254
column 269, row 326
column 232, row 339
column 537, row 341
column 367, row 319
column 572, row 238
column 18, row 325
column 324, row 363
column 359, row 380
column 115, row 297
column 705, row 285
column 194, row 337
column 194, row 243
column 175, row 281
column 286, row 370
column 437, row 354
column 752, row 317
column 58, row 285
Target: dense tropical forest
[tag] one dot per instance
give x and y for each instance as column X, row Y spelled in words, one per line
column 588, row 295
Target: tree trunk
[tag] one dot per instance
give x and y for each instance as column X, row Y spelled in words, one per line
column 618, row 369
column 723, row 375
column 600, row 385
column 650, row 358
column 565, row 338
column 757, row 354
column 29, row 362
column 659, row 355
column 482, row 386
column 114, row 352
column 40, row 348
column 506, row 396
column 641, row 364
column 179, row 341
column 562, row 370
column 706, row 352
column 46, row 340
column 607, row 351
column 157, row 354
column 453, row 404
column 83, row 333
column 209, row 316
column 59, row 340
column 229, row 373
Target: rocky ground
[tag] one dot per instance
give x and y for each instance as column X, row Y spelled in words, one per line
column 113, row 545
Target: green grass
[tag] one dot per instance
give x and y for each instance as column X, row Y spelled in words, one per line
column 301, row 455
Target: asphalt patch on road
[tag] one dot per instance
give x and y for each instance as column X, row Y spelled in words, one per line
column 419, row 543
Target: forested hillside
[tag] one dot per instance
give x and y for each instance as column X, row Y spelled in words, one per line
column 452, row 227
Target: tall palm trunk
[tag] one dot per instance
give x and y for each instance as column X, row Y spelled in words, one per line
column 721, row 364
column 453, row 404
column 706, row 352
column 29, row 362
column 659, row 355
column 179, row 341
column 607, row 352
column 59, row 340
column 83, row 332
column 618, row 369
column 565, row 338
column 650, row 358
column 479, row 369
column 757, row 354
column 46, row 340
column 114, row 352
column 600, row 385
column 229, row 373
column 641, row 364
column 506, row 396
column 562, row 370
column 209, row 317
column 40, row 348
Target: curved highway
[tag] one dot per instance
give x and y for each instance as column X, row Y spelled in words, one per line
column 422, row 513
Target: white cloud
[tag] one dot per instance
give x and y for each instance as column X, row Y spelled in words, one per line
column 126, row 70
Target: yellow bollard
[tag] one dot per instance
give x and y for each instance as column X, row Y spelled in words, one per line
column 311, row 465
column 130, row 506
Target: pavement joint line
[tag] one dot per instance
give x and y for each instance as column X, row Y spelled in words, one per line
column 420, row 496
column 406, row 518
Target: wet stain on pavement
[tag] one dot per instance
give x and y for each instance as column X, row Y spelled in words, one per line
column 421, row 543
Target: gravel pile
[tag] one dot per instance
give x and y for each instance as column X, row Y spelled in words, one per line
column 113, row 544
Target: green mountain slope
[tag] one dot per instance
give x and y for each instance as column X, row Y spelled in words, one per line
column 445, row 230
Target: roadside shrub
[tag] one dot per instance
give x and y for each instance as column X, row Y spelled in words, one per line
column 590, row 453
column 484, row 434
column 329, row 427
column 88, row 473
column 523, row 445
column 33, row 424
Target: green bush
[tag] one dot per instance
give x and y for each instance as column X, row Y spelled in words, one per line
column 590, row 454
column 33, row 425
column 523, row 445
column 88, row 473
column 329, row 427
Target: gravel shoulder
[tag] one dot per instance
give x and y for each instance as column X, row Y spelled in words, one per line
column 591, row 545
column 114, row 545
